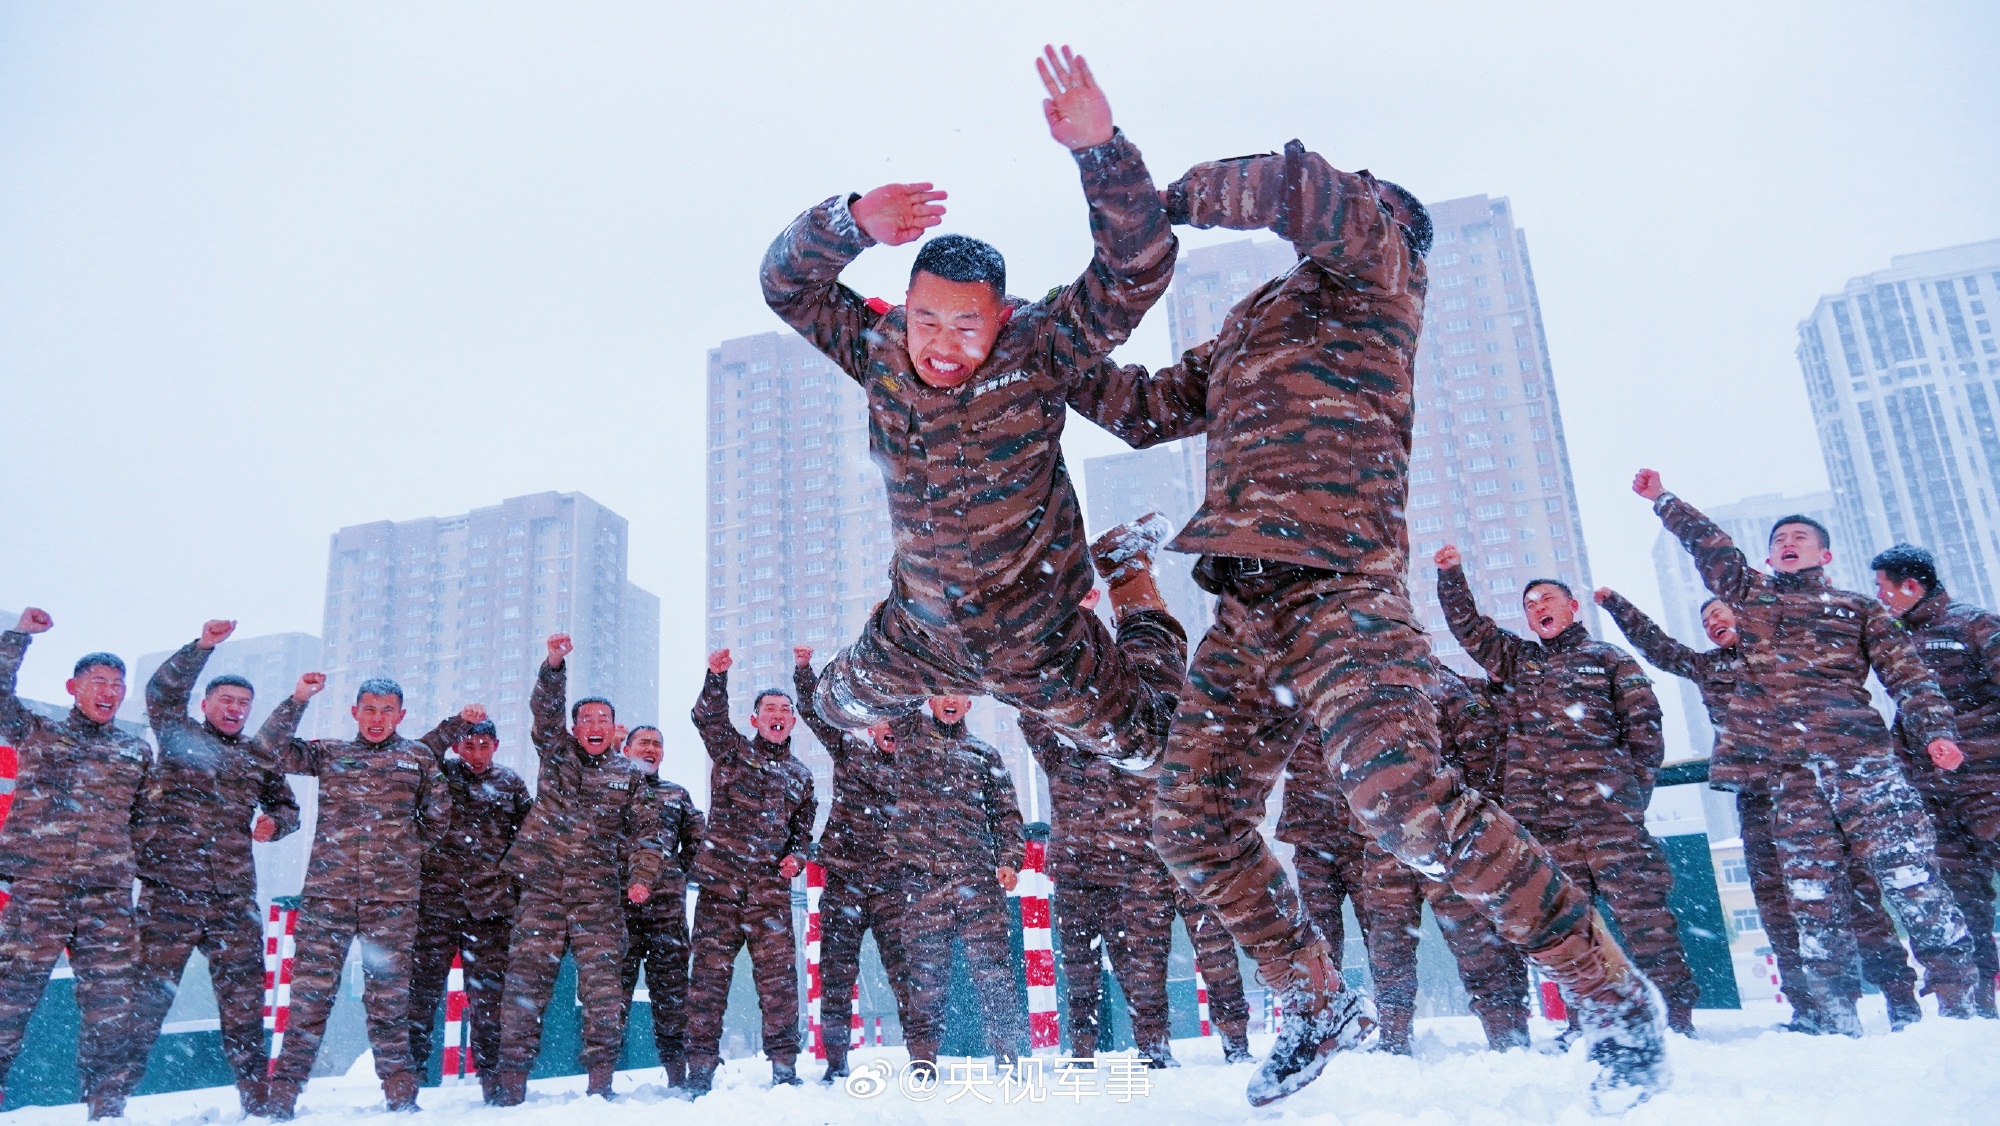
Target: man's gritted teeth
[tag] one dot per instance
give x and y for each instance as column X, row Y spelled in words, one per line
column 596, row 742
column 1547, row 620
column 944, row 369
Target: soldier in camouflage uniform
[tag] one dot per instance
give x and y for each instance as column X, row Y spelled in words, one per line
column 467, row 904
column 1113, row 899
column 1215, row 957
column 956, row 835
column 381, row 803
column 1801, row 706
column 658, row 927
column 1306, row 397
column 590, row 845
column 967, row 396
column 761, row 808
column 1961, row 645
column 66, row 860
column 863, row 890
column 211, row 793
column 1582, row 754
column 1714, row 673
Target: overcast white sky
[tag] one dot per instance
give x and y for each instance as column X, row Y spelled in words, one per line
column 270, row 269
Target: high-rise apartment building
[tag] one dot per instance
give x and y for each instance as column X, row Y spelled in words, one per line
column 457, row 609
column 1903, row 370
column 1489, row 468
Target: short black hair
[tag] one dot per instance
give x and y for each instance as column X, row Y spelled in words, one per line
column 379, row 686
column 1907, row 561
column 229, row 680
column 645, row 727
column 759, row 701
column 577, row 708
column 98, row 660
column 1417, row 231
column 1825, row 537
column 962, row 258
column 1710, row 601
column 483, row 727
column 1557, row 583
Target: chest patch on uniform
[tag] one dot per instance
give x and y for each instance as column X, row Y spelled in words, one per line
column 1590, row 669
column 618, row 785
column 1839, row 612
column 1959, row 645
column 403, row 764
column 1004, row 379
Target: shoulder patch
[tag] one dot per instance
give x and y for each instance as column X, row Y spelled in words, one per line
column 879, row 306
column 618, row 785
column 406, row 764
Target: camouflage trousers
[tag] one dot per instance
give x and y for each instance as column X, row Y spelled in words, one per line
column 1131, row 925
column 1100, row 692
column 657, row 941
column 229, row 932
column 1343, row 864
column 853, row 904
column 1622, row 865
column 1215, row 957
column 482, row 945
column 1969, row 861
column 761, row 920
column 325, row 929
column 1293, row 652
column 96, row 925
column 974, row 912
column 590, row 926
column 1883, row 959
column 1868, row 802
column 1494, row 972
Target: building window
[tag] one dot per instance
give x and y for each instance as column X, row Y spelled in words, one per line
column 1735, row 870
column 1744, row 920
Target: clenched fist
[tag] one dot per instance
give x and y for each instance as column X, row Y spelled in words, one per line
column 34, row 620
column 473, row 713
column 638, row 893
column 1447, row 557
column 1646, row 483
column 789, row 867
column 1600, row 594
column 263, row 830
column 215, row 632
column 560, row 647
column 309, row 686
column 719, row 662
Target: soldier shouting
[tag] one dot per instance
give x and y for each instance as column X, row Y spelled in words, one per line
column 658, row 926
column 967, row 391
column 591, row 843
column 1582, row 753
column 761, row 808
column 212, row 792
column 381, row 803
column 1802, row 706
column 468, row 899
column 66, row 860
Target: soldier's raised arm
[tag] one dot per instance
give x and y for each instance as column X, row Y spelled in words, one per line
column 172, row 684
column 1144, row 408
column 1496, row 650
column 276, row 742
column 805, row 681
column 1724, row 568
column 16, row 721
column 1338, row 219
column 711, row 712
column 1637, row 710
column 550, row 697
column 1653, row 643
column 451, row 729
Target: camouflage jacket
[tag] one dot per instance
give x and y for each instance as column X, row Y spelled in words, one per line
column 864, row 789
column 956, row 817
column 1807, row 650
column 1100, row 817
column 1472, row 728
column 594, row 829
column 681, row 829
column 76, row 787
column 761, row 803
column 1320, row 358
column 380, row 806
column 989, row 537
column 1961, row 645
column 1584, row 741
column 192, row 828
column 464, row 868
column 1714, row 672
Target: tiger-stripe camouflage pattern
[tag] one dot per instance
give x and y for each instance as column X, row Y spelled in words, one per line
column 326, row 928
column 1583, row 749
column 1961, row 645
column 990, row 560
column 229, row 932
column 1802, row 707
column 852, row 903
column 1714, row 673
column 1215, row 957
column 95, row 925
column 657, row 930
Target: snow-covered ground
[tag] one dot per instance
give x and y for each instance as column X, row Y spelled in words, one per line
column 1739, row 1071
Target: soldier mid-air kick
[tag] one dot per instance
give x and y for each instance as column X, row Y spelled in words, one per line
column 1801, row 706
column 967, row 396
column 1307, row 399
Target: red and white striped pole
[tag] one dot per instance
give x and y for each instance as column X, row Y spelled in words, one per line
column 878, row 1032
column 815, row 887
column 857, row 1036
column 279, row 947
column 1038, row 949
column 10, row 768
column 457, row 1061
column 1201, row 1001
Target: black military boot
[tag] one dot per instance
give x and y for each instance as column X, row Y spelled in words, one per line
column 104, row 1105
column 1235, row 1045
column 1159, row 1055
column 700, row 1078
column 784, row 1071
column 1398, row 1023
column 1128, row 549
column 600, row 1080
column 281, row 1098
column 512, row 1090
column 1904, row 1010
column 676, row 1067
column 1621, row 1014
column 1320, row 1018
column 1506, row 1027
column 400, row 1091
